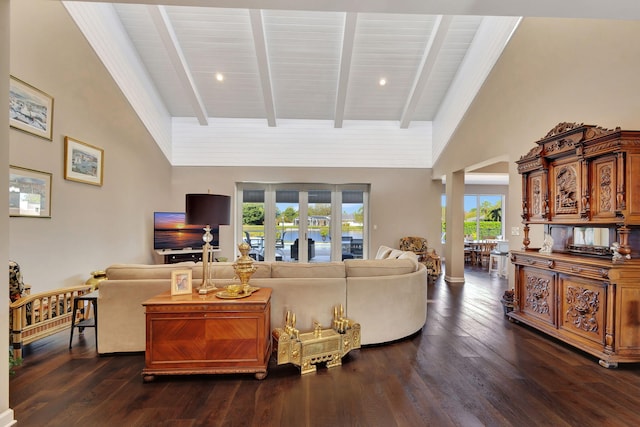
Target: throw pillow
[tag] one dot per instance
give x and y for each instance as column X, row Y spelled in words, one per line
column 383, row 252
column 395, row 253
column 410, row 256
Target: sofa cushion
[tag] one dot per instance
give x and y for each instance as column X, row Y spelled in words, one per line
column 294, row 269
column 378, row 267
column 144, row 271
column 412, row 256
column 224, row 270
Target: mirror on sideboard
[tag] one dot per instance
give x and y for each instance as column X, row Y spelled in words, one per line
column 591, row 236
column 582, row 240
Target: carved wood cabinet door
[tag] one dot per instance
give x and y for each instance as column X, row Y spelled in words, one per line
column 538, row 297
column 583, row 307
column 632, row 187
column 566, row 189
column 604, row 184
column 628, row 323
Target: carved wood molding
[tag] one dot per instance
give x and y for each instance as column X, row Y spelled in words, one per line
column 606, row 190
column 594, row 149
column 530, row 165
column 562, row 128
column 590, row 130
column 534, row 153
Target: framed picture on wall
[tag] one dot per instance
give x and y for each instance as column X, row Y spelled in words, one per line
column 82, row 162
column 181, row 282
column 29, row 192
column 30, row 109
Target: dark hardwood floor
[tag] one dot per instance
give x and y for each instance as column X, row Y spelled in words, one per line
column 469, row 366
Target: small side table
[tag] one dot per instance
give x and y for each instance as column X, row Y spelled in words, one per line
column 92, row 297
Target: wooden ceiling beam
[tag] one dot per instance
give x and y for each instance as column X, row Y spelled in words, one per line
column 431, row 52
column 170, row 41
column 348, row 37
column 264, row 68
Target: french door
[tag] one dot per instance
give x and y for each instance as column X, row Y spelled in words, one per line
column 303, row 222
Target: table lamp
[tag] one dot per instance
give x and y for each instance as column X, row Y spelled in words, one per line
column 212, row 210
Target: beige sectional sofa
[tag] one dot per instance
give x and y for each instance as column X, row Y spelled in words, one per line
column 388, row 297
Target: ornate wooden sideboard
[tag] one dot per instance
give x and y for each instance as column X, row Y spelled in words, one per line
column 581, row 183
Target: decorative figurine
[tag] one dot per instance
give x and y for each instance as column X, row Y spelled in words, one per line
column 547, row 244
column 617, row 256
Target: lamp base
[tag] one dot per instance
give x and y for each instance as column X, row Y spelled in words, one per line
column 207, row 288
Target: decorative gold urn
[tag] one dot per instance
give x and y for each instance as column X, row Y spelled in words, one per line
column 244, row 269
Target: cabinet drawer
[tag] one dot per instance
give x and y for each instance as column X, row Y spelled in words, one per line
column 590, row 271
column 562, row 266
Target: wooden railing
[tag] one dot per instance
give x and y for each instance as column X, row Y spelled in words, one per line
column 41, row 315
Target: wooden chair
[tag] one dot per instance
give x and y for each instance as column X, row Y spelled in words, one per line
column 484, row 252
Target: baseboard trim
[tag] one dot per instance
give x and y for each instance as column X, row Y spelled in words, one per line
column 6, row 418
column 451, row 279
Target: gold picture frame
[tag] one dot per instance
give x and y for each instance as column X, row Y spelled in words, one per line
column 83, row 162
column 29, row 192
column 181, row 282
column 30, row 109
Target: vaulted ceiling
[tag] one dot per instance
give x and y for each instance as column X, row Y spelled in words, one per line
column 269, row 82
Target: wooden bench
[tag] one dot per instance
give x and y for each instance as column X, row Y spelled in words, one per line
column 43, row 314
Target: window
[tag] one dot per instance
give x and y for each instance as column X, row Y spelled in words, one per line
column 278, row 219
column 483, row 217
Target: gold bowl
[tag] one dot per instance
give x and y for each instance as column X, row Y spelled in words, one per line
column 235, row 289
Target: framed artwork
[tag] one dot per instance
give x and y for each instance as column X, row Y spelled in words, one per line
column 29, row 192
column 181, row 282
column 30, row 109
column 82, row 162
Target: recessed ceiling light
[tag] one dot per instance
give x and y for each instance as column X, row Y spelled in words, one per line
column 382, row 81
column 219, row 77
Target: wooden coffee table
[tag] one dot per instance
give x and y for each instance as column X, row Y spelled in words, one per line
column 202, row 334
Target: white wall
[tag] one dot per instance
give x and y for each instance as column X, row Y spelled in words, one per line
column 6, row 414
column 91, row 227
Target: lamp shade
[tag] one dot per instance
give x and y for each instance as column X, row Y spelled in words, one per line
column 208, row 209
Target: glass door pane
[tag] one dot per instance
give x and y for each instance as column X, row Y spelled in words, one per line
column 277, row 218
column 287, row 225
column 352, row 224
column 253, row 214
column 319, row 225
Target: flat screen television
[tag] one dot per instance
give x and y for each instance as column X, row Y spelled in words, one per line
column 171, row 232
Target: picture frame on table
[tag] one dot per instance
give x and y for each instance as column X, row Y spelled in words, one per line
column 30, row 109
column 181, row 283
column 29, row 192
column 83, row 162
